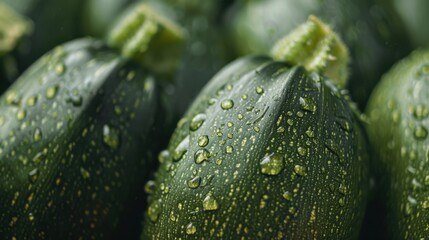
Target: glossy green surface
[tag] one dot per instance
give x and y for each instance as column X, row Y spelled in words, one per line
column 73, row 131
column 373, row 33
column 398, row 128
column 265, row 151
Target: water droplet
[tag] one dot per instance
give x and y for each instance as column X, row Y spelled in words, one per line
column 191, row 229
column 309, row 133
column 420, row 112
column 21, row 114
column 197, row 121
column 194, row 182
column 51, row 92
column 60, row 69
column 181, row 149
column 33, row 175
column 77, row 100
column 85, row 173
column 154, row 210
column 210, row 203
column 427, row 180
column 201, row 156
column 300, row 114
column 302, row 151
column 30, row 217
column 300, row 170
column 212, row 101
column 344, row 124
column 342, row 202
column 240, row 116
column 333, row 147
column 37, row 136
column 31, row 101
column 110, row 136
column 12, row 97
column 163, row 156
column 425, row 204
column 272, row 164
column 280, row 129
column 287, row 195
column 203, row 140
column 229, row 149
column 150, row 187
column 259, row 90
column 244, row 96
column 342, row 188
column 219, row 161
column 307, row 104
column 227, row 104
column 420, row 133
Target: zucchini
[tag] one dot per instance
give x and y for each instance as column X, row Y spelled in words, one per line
column 269, row 149
column 373, row 33
column 415, row 16
column 397, row 129
column 13, row 27
column 205, row 50
column 75, row 132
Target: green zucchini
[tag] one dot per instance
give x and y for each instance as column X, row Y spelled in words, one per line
column 75, row 132
column 373, row 33
column 269, row 149
column 13, row 27
column 415, row 16
column 206, row 47
column 397, row 129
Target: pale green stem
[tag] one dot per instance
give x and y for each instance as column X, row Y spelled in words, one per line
column 316, row 47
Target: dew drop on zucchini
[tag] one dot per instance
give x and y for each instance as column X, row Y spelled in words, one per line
column 194, row 182
column 203, row 140
column 154, row 210
column 210, row 203
column 111, row 137
column 181, row 149
column 227, row 104
column 191, row 229
column 201, row 156
column 197, row 121
column 272, row 164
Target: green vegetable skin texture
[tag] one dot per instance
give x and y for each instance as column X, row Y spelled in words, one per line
column 398, row 129
column 372, row 33
column 265, row 151
column 73, row 135
column 206, row 49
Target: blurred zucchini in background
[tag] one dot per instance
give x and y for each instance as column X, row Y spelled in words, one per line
column 99, row 15
column 13, row 27
column 373, row 33
column 75, row 133
column 54, row 22
column 398, row 128
column 270, row 148
column 415, row 16
column 206, row 46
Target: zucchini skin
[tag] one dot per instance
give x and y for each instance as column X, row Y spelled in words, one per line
column 73, row 136
column 210, row 184
column 374, row 33
column 397, row 130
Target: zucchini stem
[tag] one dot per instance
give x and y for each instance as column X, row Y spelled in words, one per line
column 319, row 49
column 149, row 39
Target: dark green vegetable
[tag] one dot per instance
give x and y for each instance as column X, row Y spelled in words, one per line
column 205, row 51
column 374, row 34
column 267, row 150
column 415, row 16
column 74, row 133
column 398, row 128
